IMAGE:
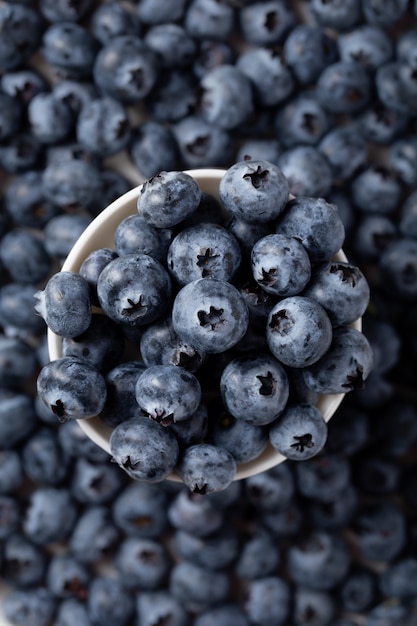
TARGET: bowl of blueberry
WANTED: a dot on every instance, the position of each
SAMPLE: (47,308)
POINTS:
(206,326)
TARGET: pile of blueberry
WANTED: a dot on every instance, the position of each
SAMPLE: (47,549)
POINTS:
(95,97)
(217,325)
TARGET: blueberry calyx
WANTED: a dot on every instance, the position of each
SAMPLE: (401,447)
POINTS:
(257,177)
(280,322)
(347,274)
(355,381)
(268,276)
(135,307)
(267,384)
(302,441)
(58,409)
(212,318)
(205,261)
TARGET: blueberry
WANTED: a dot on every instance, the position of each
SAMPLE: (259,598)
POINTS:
(140,510)
(142,564)
(272,489)
(318,607)
(173,97)
(24,256)
(345,366)
(324,477)
(267,600)
(366,44)
(308,49)
(248,233)
(23,83)
(125,69)
(154,606)
(195,513)
(335,513)
(227,614)
(134,289)
(408,216)
(75,442)
(200,143)
(145,449)
(298,331)
(345,149)
(307,171)
(69,48)
(398,580)
(379,531)
(383,13)
(203,251)
(160,345)
(71,184)
(210,314)
(380,124)
(215,552)
(374,233)
(103,127)
(254,388)
(172,44)
(120,403)
(205,468)
(17,417)
(43,458)
(259,556)
(346,290)
(316,223)
(376,189)
(11,471)
(32,606)
(357,592)
(92,266)
(280,265)
(94,535)
(168,393)
(266,23)
(152,12)
(101,344)
(398,264)
(10,516)
(192,430)
(336,14)
(17,315)
(196,587)
(24,563)
(302,120)
(245,441)
(255,191)
(168,198)
(25,202)
(405,47)
(9,116)
(299,433)
(72,388)
(21,27)
(153,148)
(50,515)
(255,149)
(64,304)
(72,609)
(67,578)
(207,19)
(113,19)
(402,156)
(108,600)
(50,119)
(344,87)
(64,10)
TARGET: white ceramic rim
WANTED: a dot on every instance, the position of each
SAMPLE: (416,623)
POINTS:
(90,240)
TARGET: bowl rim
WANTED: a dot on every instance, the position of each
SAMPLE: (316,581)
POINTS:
(96,429)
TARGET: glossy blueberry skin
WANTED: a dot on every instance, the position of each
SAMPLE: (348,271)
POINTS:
(103,127)
(101,344)
(254,388)
(168,198)
(72,388)
(255,191)
(36,606)
(210,314)
(245,441)
(94,535)
(269,76)
(120,403)
(145,449)
(111,20)
(280,265)
(307,51)
(108,600)
(153,148)
(22,30)
(160,345)
(205,19)
(70,48)
(345,366)
(302,120)
(342,290)
(299,433)
(203,251)
(376,190)
(125,69)
(316,223)
(366,44)
(24,256)
(50,515)
(345,149)
(344,87)
(201,144)
(134,289)
(92,266)
(299,331)
(154,606)
(206,468)
(17,417)
(398,263)
(226,99)
(168,393)
(64,304)
(196,587)
(267,600)
(307,171)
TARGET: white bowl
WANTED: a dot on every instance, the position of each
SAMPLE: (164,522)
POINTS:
(100,234)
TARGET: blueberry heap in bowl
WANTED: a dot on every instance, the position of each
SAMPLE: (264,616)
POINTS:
(206,326)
